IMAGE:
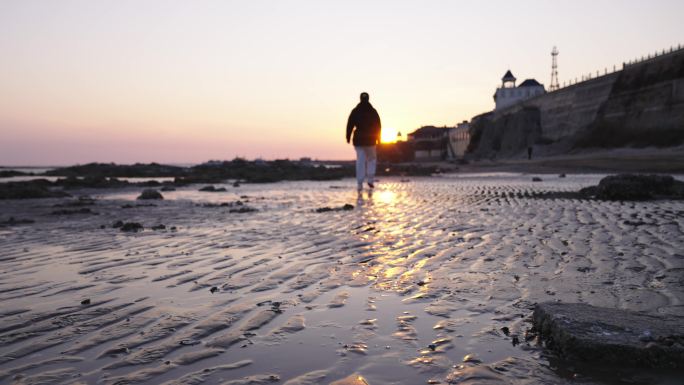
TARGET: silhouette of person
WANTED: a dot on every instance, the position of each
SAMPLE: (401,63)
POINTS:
(529,153)
(364,123)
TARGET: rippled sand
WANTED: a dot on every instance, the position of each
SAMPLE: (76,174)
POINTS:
(413,285)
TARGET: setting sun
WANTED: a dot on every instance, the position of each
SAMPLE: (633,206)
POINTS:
(389,135)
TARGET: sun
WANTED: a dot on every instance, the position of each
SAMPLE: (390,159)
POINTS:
(389,135)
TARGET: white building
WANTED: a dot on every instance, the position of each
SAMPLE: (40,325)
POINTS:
(508,94)
(459,138)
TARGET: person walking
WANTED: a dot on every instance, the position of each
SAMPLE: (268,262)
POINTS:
(364,123)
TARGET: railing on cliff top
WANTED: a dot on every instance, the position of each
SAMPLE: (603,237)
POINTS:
(607,71)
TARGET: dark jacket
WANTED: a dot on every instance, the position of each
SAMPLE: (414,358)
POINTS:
(367,122)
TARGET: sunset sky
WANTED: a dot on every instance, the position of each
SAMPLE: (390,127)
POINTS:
(188,81)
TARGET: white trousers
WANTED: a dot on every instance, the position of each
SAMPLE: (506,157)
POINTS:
(365,164)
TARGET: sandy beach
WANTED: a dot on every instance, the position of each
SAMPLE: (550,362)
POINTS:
(425,281)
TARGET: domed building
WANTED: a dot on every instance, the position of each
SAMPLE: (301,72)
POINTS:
(509,94)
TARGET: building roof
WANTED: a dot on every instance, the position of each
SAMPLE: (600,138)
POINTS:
(530,83)
(508,76)
(427,132)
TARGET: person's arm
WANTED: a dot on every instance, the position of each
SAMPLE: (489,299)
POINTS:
(378,130)
(350,125)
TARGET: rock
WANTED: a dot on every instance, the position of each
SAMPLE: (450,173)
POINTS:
(168,188)
(243,209)
(585,333)
(505,330)
(561,176)
(158,227)
(346,207)
(33,189)
(537,179)
(150,194)
(117,224)
(212,189)
(131,227)
(85,301)
(13,222)
(84,210)
(214,289)
(638,187)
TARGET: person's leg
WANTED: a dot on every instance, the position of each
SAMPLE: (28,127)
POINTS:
(360,166)
(371,161)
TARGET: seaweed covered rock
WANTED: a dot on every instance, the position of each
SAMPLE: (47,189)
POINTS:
(636,187)
(150,194)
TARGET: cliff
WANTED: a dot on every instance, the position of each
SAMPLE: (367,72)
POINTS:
(641,105)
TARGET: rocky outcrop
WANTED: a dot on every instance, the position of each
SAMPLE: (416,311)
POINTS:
(636,187)
(40,188)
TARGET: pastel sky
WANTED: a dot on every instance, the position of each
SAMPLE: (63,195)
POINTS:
(187,81)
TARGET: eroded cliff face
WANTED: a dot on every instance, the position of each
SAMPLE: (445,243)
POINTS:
(644,108)
(641,105)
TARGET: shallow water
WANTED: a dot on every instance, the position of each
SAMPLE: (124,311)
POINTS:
(413,285)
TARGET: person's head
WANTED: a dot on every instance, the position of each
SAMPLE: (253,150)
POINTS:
(364,96)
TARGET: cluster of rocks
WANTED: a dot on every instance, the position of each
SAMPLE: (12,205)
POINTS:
(40,188)
(134,227)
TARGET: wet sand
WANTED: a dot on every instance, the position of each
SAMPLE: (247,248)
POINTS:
(413,285)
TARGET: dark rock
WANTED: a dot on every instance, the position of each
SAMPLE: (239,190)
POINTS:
(236,184)
(212,189)
(85,301)
(81,201)
(35,189)
(158,227)
(131,227)
(561,176)
(505,330)
(13,222)
(639,187)
(168,188)
(117,224)
(537,179)
(84,210)
(150,194)
(115,170)
(214,289)
(11,173)
(432,347)
(585,333)
(243,209)
(346,207)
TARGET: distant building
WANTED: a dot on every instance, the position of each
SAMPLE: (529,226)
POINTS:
(459,138)
(430,142)
(508,94)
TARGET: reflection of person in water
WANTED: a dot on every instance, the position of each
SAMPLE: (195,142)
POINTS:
(364,122)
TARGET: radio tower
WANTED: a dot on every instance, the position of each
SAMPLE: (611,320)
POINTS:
(554,70)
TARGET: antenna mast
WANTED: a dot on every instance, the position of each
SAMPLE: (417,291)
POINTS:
(554,70)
